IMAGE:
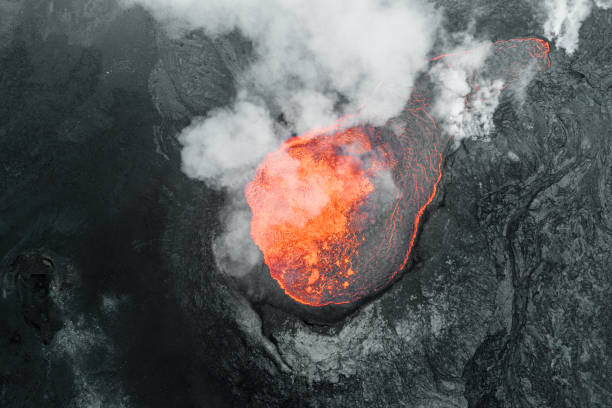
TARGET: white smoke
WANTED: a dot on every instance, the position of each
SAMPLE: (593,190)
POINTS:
(314,61)
(234,250)
(318,50)
(453,82)
(221,148)
(565,17)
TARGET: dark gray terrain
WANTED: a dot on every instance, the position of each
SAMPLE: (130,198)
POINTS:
(109,293)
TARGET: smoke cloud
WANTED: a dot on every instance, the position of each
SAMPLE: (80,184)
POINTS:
(452,81)
(220,148)
(314,61)
(320,51)
(565,17)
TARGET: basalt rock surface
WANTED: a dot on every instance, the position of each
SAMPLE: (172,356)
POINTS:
(110,294)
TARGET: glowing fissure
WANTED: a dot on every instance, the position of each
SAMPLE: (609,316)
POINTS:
(336,211)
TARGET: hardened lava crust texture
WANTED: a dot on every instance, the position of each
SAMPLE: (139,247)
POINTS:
(110,295)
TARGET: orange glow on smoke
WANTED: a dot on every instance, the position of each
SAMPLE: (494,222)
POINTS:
(336,211)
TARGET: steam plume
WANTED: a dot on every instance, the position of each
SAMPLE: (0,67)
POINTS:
(315,60)
(452,83)
(565,17)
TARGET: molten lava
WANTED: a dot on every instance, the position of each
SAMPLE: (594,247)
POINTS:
(336,211)
(309,202)
(330,206)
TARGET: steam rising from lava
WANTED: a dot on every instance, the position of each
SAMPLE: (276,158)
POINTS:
(469,82)
(565,17)
(332,208)
(316,60)
(322,238)
(334,211)
(311,66)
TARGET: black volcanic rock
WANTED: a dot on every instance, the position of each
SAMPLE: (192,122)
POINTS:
(110,294)
(30,278)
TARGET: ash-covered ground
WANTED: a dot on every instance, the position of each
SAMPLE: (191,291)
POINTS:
(110,295)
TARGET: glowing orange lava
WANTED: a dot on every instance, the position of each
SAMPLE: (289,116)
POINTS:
(330,206)
(314,189)
(336,211)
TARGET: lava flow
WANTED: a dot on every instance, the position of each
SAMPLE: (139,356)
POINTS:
(336,211)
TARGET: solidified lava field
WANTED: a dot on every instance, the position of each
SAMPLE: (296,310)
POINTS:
(336,210)
(113,288)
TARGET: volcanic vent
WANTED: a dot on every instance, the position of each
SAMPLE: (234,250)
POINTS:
(336,210)
(331,207)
